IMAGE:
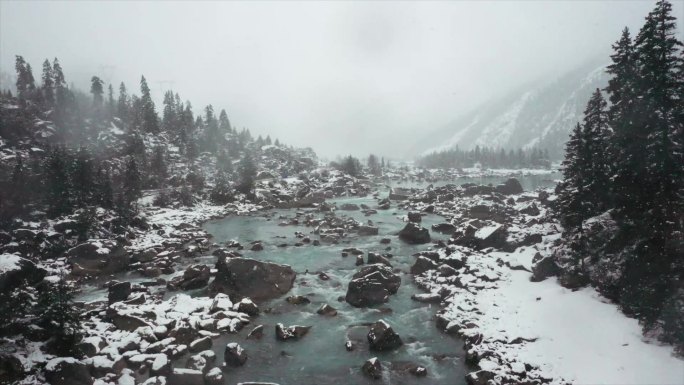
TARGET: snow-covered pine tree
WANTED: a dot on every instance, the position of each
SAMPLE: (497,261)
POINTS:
(596,136)
(658,62)
(149,121)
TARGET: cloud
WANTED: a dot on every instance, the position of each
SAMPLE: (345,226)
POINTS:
(341,77)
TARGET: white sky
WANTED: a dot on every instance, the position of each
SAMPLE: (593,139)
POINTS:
(341,77)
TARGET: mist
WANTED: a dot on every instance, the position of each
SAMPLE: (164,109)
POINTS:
(340,77)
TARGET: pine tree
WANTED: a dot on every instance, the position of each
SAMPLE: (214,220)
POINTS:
(149,119)
(82,178)
(123,105)
(658,61)
(96,88)
(58,192)
(48,86)
(132,183)
(221,193)
(20,194)
(60,317)
(572,196)
(224,123)
(158,166)
(22,83)
(596,137)
(104,193)
(169,115)
(247,175)
(110,101)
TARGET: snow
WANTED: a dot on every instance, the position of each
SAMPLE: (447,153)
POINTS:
(486,231)
(574,336)
(9,262)
(53,363)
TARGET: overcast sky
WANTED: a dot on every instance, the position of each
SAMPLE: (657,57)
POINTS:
(341,77)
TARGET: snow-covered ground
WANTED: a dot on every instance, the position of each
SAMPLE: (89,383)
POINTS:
(573,336)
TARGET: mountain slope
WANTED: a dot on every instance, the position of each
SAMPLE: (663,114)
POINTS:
(542,116)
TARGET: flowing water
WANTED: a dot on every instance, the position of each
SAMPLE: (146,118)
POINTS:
(320,357)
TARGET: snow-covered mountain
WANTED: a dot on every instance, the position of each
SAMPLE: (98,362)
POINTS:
(541,115)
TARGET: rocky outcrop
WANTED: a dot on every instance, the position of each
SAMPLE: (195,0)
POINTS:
(414,234)
(16,271)
(293,332)
(118,291)
(510,187)
(544,268)
(67,371)
(422,265)
(444,228)
(101,257)
(234,355)
(381,337)
(372,285)
(257,280)
(372,368)
(194,277)
(367,230)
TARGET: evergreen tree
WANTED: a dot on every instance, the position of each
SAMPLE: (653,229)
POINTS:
(224,123)
(658,62)
(596,137)
(374,165)
(123,105)
(60,317)
(148,116)
(132,183)
(170,114)
(61,90)
(110,101)
(572,196)
(247,175)
(158,166)
(96,88)
(82,178)
(58,193)
(22,83)
(221,193)
(104,193)
(48,86)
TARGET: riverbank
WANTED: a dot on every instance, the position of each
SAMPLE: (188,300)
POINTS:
(519,331)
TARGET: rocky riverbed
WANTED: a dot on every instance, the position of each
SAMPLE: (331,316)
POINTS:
(376,283)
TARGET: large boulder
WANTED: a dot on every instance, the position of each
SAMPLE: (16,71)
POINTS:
(293,332)
(381,337)
(414,217)
(67,371)
(422,265)
(414,234)
(181,376)
(368,230)
(235,355)
(194,277)
(119,291)
(444,228)
(372,368)
(372,285)
(544,268)
(510,187)
(16,271)
(247,277)
(98,257)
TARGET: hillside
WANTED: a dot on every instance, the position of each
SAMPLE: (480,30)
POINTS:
(539,115)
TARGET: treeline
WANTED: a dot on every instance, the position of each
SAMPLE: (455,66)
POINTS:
(100,150)
(486,157)
(626,158)
(350,165)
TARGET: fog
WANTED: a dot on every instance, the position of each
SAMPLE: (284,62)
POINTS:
(340,77)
